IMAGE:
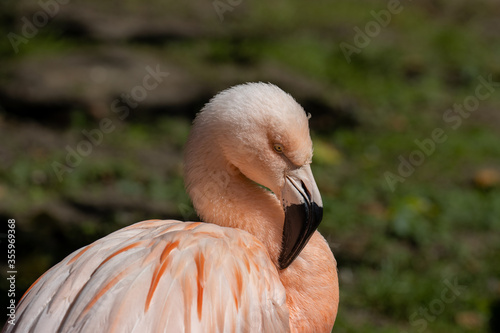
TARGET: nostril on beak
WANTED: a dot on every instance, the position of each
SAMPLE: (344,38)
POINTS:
(304,187)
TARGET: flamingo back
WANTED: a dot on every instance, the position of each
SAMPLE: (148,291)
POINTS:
(160,276)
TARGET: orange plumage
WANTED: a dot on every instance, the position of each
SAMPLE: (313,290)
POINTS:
(256,264)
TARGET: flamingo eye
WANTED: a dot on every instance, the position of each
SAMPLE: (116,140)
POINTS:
(278,147)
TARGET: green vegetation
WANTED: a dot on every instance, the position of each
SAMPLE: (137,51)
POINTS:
(399,244)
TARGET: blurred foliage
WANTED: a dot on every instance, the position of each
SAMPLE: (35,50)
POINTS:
(396,247)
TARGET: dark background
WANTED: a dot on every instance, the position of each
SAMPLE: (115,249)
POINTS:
(411,187)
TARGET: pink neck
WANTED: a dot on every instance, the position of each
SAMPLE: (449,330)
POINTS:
(227,198)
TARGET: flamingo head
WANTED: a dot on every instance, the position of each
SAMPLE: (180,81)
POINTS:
(264,134)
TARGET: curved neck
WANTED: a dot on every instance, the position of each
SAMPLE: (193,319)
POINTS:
(312,290)
(222,195)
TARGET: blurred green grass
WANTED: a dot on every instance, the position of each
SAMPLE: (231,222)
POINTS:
(396,248)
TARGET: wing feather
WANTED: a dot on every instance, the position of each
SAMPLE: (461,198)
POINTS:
(159,276)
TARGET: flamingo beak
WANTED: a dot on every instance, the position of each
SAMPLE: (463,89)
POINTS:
(303,213)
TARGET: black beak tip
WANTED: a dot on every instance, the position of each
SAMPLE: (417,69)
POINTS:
(301,221)
(282,263)
(317,212)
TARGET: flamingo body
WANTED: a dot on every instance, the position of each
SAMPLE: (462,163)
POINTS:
(256,263)
(160,276)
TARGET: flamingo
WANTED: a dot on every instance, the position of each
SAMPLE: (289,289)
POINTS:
(256,263)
